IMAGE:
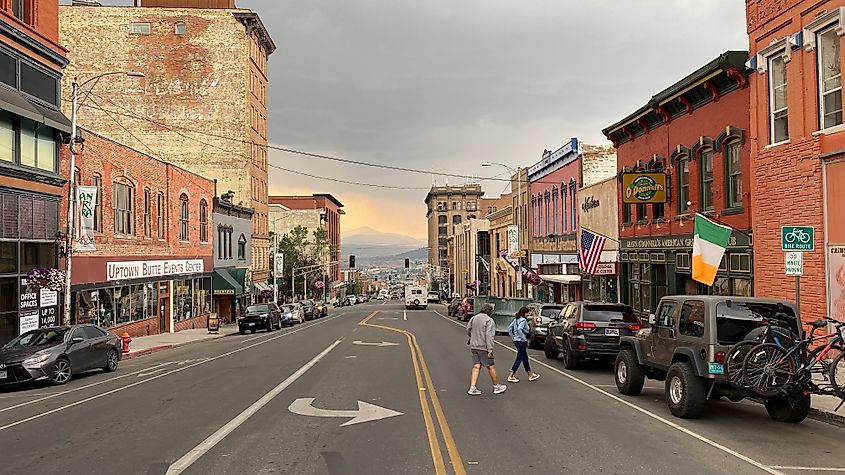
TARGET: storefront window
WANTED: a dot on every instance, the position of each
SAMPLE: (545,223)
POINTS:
(8,257)
(8,309)
(192,298)
(37,255)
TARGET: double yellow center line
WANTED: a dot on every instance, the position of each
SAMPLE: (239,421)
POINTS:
(426,387)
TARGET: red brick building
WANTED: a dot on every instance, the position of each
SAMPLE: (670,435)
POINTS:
(151,271)
(695,131)
(798,146)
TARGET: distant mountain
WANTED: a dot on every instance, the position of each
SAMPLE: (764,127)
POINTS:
(367,242)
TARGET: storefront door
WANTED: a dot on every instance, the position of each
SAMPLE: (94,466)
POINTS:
(164,314)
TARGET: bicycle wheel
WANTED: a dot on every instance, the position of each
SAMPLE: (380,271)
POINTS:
(768,368)
(735,359)
(837,375)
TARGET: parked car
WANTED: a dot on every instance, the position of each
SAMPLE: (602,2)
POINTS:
(686,345)
(290,315)
(395,296)
(262,316)
(363,298)
(541,317)
(589,330)
(433,297)
(57,353)
(380,297)
(467,309)
(351,300)
(321,310)
(307,309)
(453,307)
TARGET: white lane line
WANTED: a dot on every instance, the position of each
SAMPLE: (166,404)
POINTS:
(153,378)
(405,314)
(194,454)
(710,442)
(810,469)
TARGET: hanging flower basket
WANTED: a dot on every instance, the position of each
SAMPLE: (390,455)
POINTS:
(266,294)
(48,279)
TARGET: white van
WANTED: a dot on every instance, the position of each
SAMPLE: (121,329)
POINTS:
(415,297)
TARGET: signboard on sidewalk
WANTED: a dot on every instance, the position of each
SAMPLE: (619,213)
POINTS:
(794,263)
(797,238)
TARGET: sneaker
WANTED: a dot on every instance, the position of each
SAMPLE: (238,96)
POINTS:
(499,389)
(534,377)
(512,379)
(473,391)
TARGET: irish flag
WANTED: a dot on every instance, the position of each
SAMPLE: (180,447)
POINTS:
(708,247)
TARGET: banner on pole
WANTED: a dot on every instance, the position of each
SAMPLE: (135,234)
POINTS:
(86,200)
(280,265)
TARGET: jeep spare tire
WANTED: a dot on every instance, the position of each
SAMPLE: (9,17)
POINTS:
(793,408)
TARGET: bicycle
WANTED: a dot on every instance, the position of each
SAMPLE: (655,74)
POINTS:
(770,369)
(771,330)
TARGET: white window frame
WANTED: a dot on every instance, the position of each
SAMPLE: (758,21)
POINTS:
(140,24)
(771,111)
(822,22)
(821,92)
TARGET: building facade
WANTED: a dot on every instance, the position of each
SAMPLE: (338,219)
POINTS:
(32,131)
(695,134)
(152,267)
(203,102)
(232,284)
(798,138)
(598,213)
(503,276)
(447,206)
(471,262)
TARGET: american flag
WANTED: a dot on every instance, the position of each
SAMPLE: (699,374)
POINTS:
(589,252)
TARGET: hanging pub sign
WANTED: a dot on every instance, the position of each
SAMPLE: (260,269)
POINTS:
(640,188)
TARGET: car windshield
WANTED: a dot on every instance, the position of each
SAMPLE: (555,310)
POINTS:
(287,308)
(734,322)
(307,303)
(258,309)
(607,313)
(49,336)
(547,314)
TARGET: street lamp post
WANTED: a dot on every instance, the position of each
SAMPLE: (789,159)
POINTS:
(71,202)
(518,173)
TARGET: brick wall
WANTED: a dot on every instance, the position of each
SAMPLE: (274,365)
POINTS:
(149,326)
(191,323)
(598,162)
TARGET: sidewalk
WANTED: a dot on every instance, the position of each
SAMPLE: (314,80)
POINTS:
(144,345)
(824,409)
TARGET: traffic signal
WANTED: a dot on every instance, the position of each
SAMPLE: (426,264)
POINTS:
(407,263)
(351,262)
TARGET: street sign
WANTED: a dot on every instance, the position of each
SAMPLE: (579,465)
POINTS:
(797,238)
(794,263)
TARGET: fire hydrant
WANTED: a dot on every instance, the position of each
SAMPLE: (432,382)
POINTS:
(125,339)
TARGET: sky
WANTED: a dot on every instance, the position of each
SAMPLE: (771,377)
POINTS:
(443,86)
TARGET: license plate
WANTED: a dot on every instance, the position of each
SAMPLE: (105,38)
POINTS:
(611,331)
(715,368)
(252,324)
(2,375)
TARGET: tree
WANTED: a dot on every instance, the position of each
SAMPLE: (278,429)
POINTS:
(354,288)
(301,254)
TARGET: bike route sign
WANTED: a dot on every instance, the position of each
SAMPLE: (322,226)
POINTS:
(797,238)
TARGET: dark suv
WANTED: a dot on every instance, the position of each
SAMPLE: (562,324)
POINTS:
(589,330)
(261,316)
(687,343)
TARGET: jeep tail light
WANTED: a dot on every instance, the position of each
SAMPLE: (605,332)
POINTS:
(585,326)
(537,321)
(634,327)
(720,356)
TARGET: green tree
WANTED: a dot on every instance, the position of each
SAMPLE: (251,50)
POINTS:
(354,288)
(301,252)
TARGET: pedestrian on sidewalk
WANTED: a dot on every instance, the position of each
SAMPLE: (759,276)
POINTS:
(519,332)
(481,330)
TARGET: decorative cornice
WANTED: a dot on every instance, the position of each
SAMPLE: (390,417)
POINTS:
(27,40)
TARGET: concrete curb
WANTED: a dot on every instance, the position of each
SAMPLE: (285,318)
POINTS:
(156,349)
(827,417)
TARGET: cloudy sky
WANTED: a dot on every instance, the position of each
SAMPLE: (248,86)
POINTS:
(444,85)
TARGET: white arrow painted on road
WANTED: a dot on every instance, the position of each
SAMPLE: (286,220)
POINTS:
(366,412)
(377,343)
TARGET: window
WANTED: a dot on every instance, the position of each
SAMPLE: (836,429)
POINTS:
(140,29)
(456,219)
(626,214)
(37,146)
(242,248)
(97,181)
(123,204)
(778,118)
(20,10)
(572,203)
(691,322)
(733,173)
(181,28)
(160,214)
(228,249)
(642,213)
(658,210)
(220,254)
(184,215)
(540,214)
(442,219)
(666,314)
(147,210)
(7,137)
(39,83)
(565,220)
(203,221)
(705,168)
(554,209)
(8,70)
(683,185)
(830,78)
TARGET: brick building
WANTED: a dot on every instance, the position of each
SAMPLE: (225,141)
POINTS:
(798,146)
(203,102)
(695,132)
(447,206)
(32,130)
(151,271)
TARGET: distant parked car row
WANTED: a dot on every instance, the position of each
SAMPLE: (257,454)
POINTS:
(270,317)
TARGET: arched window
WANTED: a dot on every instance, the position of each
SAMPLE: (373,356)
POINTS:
(160,210)
(705,172)
(123,205)
(148,204)
(242,248)
(184,215)
(203,221)
(683,184)
(733,174)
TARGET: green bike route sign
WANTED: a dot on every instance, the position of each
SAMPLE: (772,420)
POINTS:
(797,238)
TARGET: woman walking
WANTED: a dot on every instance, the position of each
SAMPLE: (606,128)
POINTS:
(519,331)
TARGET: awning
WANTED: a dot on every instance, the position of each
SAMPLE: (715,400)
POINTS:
(562,278)
(18,104)
(261,287)
(225,284)
(339,285)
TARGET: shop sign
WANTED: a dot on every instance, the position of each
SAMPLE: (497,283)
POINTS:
(142,269)
(589,203)
(640,188)
(513,239)
(605,268)
(49,298)
(224,291)
(49,317)
(28,321)
(86,199)
(836,282)
(677,242)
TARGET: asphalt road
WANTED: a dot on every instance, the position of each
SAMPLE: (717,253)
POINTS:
(292,401)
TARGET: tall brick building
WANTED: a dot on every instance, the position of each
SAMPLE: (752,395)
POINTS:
(447,206)
(798,146)
(203,102)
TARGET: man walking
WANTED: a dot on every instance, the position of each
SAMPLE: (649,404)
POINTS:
(481,330)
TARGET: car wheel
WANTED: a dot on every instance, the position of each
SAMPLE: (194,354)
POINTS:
(62,372)
(241,331)
(111,362)
(549,350)
(792,408)
(628,373)
(569,361)
(532,343)
(685,392)
(252,331)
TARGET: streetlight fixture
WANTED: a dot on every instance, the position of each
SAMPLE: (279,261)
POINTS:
(71,202)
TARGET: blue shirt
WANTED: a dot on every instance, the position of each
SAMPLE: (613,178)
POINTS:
(519,330)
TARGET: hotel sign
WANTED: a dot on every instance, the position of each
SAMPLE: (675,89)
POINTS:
(639,188)
(144,269)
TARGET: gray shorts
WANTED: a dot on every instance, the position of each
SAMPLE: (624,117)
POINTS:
(480,357)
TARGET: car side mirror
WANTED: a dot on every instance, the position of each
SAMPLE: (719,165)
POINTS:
(77,339)
(652,319)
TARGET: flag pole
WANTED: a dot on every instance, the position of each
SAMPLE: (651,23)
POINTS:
(600,234)
(717,220)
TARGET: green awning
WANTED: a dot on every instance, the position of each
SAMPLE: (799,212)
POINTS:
(18,104)
(224,283)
